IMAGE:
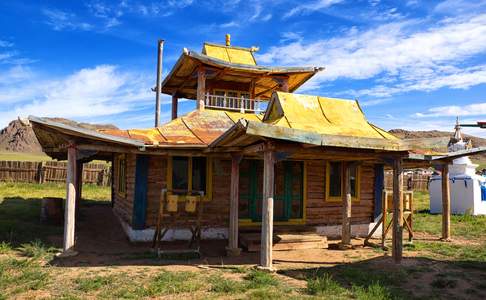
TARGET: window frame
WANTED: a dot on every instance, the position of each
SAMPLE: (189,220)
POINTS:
(209,173)
(121,161)
(330,198)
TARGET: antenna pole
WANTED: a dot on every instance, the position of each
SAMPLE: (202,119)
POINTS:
(159,78)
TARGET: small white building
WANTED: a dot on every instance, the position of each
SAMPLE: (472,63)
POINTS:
(467,189)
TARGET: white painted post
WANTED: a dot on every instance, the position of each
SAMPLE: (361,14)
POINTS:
(70,206)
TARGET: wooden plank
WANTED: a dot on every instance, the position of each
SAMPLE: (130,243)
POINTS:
(446,204)
(69,210)
(175,104)
(346,209)
(233,249)
(267,209)
(397,249)
(201,87)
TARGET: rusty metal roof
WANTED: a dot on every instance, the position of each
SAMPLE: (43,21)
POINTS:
(198,129)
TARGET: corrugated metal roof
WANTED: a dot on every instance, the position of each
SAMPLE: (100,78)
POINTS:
(231,54)
(198,128)
(311,114)
(322,115)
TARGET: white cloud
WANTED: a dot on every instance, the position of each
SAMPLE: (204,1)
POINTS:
(61,20)
(460,6)
(310,7)
(5,44)
(475,109)
(422,60)
(91,93)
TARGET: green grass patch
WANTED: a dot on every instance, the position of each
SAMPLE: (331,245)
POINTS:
(20,210)
(219,284)
(259,279)
(168,283)
(21,275)
(476,253)
(89,284)
(325,285)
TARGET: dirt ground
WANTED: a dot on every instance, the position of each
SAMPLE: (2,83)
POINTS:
(101,243)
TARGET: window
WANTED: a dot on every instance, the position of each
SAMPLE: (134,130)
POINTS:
(121,171)
(187,174)
(335,181)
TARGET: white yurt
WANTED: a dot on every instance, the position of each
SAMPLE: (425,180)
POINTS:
(467,189)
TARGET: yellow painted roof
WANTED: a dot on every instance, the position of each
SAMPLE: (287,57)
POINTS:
(322,115)
(310,113)
(235,55)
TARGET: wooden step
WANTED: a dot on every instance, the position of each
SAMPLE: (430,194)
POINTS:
(285,241)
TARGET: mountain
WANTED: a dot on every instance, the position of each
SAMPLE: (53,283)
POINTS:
(19,137)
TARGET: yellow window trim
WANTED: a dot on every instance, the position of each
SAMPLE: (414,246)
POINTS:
(328,180)
(118,158)
(209,177)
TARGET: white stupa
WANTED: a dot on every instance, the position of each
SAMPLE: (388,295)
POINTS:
(465,185)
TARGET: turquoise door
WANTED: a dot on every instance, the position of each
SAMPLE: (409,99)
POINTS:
(288,199)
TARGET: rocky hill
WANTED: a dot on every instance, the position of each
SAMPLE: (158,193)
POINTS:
(18,137)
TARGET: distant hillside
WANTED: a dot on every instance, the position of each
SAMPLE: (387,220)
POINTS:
(17,137)
(436,141)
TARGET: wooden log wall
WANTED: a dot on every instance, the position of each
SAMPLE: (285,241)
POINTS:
(321,212)
(52,171)
(216,211)
(123,204)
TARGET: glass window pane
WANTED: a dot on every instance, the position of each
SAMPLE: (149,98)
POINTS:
(231,94)
(199,174)
(335,179)
(180,167)
(354,180)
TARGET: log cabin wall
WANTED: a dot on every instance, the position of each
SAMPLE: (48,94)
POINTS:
(321,212)
(123,205)
(216,211)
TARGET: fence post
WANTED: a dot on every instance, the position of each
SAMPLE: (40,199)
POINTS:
(40,172)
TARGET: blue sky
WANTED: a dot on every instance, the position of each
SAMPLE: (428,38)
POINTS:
(411,64)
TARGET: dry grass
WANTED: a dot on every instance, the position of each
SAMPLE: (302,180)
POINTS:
(446,270)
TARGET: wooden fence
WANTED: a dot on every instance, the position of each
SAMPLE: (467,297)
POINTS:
(415,182)
(51,171)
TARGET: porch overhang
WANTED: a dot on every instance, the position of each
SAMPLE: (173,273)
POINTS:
(245,133)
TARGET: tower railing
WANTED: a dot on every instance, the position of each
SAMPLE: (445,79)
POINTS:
(240,104)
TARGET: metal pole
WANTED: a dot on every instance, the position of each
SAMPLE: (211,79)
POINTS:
(159,78)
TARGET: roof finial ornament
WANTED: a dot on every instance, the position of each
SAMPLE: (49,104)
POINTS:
(228,40)
(457,133)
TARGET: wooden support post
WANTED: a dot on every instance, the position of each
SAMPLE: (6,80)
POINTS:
(79,184)
(201,87)
(385,219)
(346,209)
(233,249)
(267,210)
(70,206)
(446,204)
(397,237)
(285,85)
(175,103)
